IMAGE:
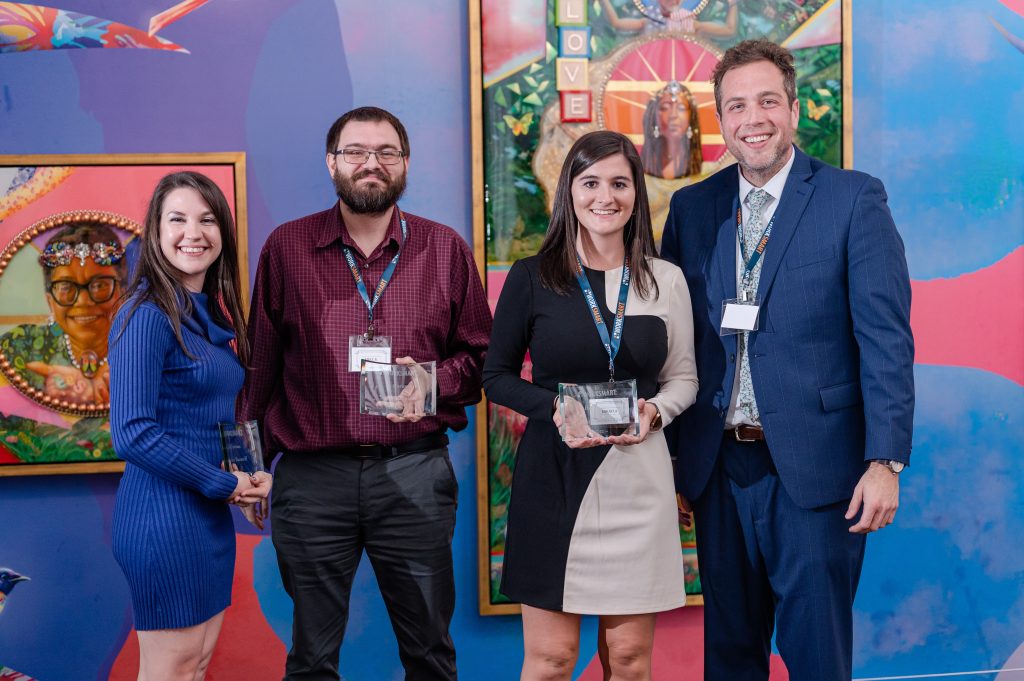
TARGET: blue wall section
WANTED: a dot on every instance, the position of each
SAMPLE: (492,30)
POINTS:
(937,115)
(938,110)
(57,529)
(38,119)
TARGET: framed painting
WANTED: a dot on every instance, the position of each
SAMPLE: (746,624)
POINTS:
(69,234)
(545,73)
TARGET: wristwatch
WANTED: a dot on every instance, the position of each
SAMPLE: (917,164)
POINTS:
(656,421)
(895,467)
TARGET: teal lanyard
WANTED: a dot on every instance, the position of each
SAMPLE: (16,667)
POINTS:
(755,257)
(385,278)
(612,340)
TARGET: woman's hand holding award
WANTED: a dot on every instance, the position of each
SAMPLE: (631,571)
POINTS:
(243,453)
(597,410)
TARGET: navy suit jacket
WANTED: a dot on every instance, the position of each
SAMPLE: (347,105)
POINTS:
(832,361)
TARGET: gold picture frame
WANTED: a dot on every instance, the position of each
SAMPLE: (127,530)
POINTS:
(45,430)
(520,116)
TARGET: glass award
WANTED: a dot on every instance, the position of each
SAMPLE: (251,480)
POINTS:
(598,409)
(399,389)
(240,445)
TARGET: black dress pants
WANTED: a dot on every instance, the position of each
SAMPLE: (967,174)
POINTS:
(327,509)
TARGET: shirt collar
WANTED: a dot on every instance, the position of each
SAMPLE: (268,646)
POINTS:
(773,186)
(335,230)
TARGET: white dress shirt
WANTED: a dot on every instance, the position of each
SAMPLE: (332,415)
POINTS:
(774,188)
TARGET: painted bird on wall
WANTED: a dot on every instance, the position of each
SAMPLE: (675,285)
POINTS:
(8,579)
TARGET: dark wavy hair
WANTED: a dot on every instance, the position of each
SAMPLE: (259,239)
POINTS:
(156,280)
(558,252)
(748,52)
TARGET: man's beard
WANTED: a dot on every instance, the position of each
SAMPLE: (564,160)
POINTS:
(371,199)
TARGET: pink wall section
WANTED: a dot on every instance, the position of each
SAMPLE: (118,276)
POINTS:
(988,304)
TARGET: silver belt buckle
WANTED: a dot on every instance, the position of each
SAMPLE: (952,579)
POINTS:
(736,433)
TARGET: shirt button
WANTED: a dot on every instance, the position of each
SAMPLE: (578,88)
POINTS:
(732,357)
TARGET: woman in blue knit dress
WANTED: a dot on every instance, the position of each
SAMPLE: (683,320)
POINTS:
(174,377)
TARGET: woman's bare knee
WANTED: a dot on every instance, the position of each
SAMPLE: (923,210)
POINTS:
(555,656)
(551,642)
(628,660)
(627,643)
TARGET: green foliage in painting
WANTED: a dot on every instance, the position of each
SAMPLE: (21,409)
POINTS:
(34,442)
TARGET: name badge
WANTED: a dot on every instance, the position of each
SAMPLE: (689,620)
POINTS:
(739,315)
(361,348)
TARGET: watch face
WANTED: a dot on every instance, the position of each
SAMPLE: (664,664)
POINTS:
(896,466)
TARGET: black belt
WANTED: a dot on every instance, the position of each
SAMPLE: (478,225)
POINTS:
(374,451)
(745,433)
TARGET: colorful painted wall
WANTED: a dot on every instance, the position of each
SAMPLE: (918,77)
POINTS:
(938,107)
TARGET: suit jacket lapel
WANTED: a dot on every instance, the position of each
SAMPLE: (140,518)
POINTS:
(722,274)
(795,196)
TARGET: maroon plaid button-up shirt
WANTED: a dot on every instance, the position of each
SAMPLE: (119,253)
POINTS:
(305,306)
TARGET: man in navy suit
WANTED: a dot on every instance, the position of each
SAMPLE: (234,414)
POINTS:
(792,452)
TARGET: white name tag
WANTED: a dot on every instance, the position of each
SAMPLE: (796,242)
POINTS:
(609,411)
(375,350)
(740,317)
(374,364)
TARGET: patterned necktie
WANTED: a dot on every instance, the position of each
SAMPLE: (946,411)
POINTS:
(753,228)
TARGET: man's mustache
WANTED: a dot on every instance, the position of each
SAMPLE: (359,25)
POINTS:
(380,175)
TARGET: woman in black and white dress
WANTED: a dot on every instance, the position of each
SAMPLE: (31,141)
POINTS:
(592,525)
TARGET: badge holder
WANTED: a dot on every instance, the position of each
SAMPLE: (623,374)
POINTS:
(367,348)
(740,314)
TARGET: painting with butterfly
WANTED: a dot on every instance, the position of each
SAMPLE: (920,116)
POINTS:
(545,73)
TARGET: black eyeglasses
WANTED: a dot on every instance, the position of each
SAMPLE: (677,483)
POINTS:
(385,157)
(65,292)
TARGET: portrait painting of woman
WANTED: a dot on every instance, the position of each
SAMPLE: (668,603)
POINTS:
(84,268)
(672,146)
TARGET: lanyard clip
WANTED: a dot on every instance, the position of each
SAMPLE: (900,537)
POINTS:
(369,331)
(611,371)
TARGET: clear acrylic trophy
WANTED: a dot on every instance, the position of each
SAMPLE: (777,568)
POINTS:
(400,389)
(240,445)
(598,409)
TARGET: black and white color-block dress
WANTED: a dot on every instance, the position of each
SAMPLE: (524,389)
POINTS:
(591,531)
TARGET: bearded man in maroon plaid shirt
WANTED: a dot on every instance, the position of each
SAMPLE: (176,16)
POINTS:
(348,482)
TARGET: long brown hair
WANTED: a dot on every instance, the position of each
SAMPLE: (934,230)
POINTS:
(558,252)
(156,280)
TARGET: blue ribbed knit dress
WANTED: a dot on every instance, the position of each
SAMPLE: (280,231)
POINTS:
(172,533)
